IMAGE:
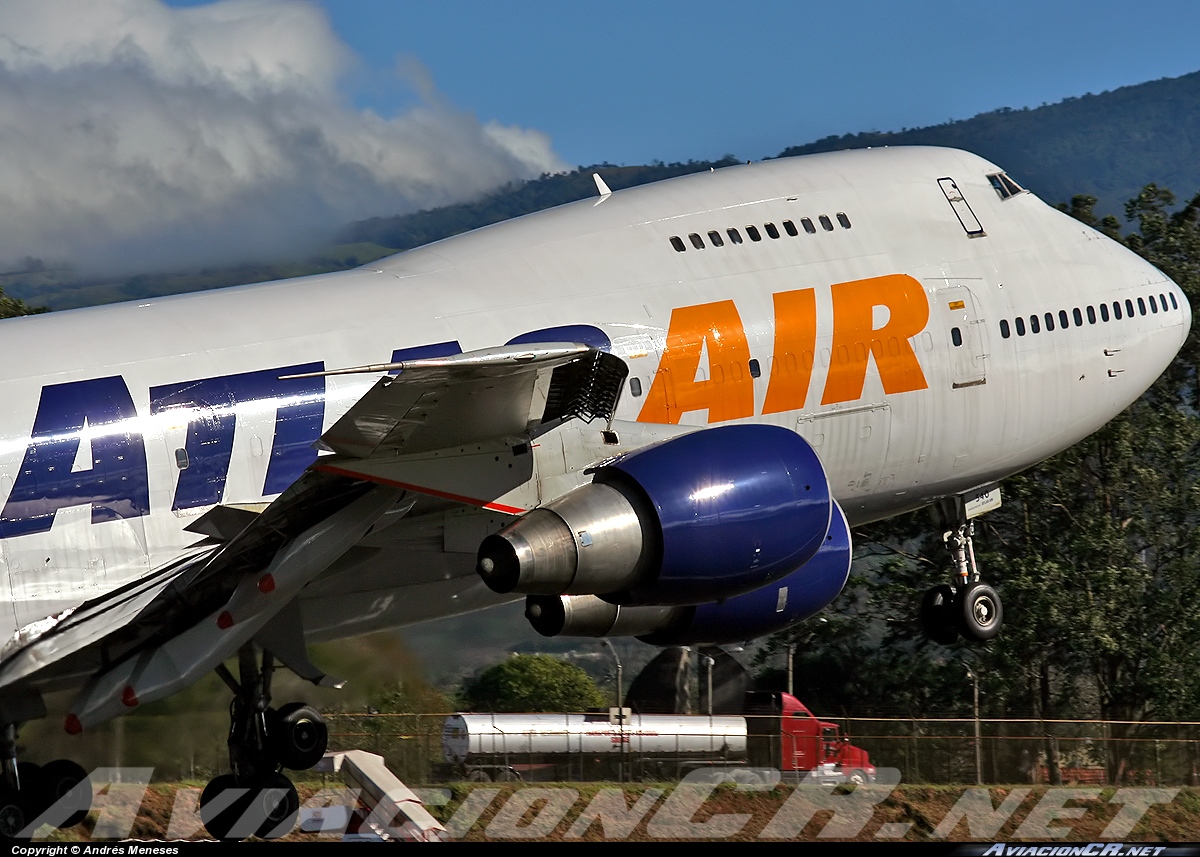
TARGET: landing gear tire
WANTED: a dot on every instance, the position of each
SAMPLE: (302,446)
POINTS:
(64,787)
(221,812)
(298,736)
(937,615)
(276,802)
(14,814)
(980,613)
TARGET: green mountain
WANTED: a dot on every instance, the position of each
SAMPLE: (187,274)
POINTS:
(1107,145)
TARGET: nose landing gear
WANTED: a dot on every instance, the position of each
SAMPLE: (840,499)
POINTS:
(256,798)
(969,608)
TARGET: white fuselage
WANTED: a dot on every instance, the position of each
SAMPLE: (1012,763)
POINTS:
(977,411)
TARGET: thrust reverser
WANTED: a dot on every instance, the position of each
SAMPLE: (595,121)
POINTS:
(707,516)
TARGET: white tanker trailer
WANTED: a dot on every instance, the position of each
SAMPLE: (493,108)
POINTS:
(778,732)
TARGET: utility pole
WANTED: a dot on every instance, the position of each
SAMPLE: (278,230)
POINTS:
(708,663)
(971,674)
(620,709)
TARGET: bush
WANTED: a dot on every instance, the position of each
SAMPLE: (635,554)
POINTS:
(532,683)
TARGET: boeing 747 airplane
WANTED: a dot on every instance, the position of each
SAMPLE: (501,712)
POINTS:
(656,413)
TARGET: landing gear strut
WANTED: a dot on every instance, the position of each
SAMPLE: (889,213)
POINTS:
(256,798)
(968,607)
(58,793)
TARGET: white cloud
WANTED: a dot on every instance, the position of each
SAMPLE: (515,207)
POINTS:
(137,136)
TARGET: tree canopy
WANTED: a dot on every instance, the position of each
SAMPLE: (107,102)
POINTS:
(11,307)
(532,683)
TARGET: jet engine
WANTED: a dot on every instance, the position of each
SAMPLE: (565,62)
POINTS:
(696,518)
(770,608)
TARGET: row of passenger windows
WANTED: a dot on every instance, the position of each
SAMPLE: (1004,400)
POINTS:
(753,233)
(1064,321)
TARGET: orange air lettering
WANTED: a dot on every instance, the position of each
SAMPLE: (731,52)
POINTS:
(795,336)
(726,392)
(854,331)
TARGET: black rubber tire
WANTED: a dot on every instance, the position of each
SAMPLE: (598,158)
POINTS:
(14,814)
(275,799)
(937,615)
(63,778)
(223,823)
(857,776)
(298,736)
(478,776)
(980,613)
(30,774)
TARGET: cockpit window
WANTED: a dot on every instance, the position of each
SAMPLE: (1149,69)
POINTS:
(1004,186)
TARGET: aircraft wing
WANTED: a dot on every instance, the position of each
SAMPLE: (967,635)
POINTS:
(434,428)
(445,402)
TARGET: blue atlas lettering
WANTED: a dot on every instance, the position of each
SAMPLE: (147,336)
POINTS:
(585,333)
(114,482)
(424,352)
(211,405)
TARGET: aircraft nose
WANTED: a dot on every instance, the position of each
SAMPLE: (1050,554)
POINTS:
(1187,316)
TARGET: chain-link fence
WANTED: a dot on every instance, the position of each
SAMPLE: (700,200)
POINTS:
(587,747)
(945,750)
(931,750)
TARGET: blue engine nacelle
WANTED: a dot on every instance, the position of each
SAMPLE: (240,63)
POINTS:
(770,608)
(697,518)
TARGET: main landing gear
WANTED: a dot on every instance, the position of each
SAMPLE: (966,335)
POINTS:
(968,607)
(58,793)
(256,798)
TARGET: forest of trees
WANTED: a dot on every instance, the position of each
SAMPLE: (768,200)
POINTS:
(1096,553)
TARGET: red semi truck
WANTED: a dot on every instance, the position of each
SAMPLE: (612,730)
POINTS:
(776,731)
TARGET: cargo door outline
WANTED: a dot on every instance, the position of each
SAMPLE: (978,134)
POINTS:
(967,352)
(858,437)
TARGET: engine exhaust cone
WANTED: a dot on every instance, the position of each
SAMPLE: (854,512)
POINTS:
(546,613)
(498,564)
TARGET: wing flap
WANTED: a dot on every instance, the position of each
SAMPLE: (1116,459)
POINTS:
(489,474)
(55,639)
(157,672)
(158,607)
(222,523)
(476,396)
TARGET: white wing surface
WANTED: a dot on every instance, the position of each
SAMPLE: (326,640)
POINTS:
(434,430)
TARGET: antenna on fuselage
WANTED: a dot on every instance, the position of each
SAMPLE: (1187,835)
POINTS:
(605,190)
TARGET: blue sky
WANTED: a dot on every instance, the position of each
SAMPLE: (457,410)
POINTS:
(138,133)
(629,82)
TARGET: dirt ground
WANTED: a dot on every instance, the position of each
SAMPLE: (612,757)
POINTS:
(643,812)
